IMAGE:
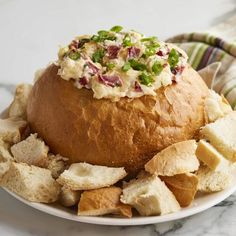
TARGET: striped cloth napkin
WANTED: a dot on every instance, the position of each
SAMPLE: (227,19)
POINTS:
(213,54)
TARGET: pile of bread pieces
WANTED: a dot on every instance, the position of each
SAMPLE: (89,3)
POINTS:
(169,181)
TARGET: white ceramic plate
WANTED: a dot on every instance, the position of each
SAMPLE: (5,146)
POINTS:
(201,203)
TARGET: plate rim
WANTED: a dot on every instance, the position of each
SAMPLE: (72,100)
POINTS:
(141,220)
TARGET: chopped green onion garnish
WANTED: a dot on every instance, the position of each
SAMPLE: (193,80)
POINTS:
(157,68)
(127,41)
(74,55)
(116,28)
(137,65)
(146,79)
(173,58)
(110,66)
(83,41)
(126,66)
(95,38)
(98,55)
(154,38)
(150,51)
(102,36)
(103,33)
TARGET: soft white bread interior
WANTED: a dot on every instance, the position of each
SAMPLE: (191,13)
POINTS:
(183,186)
(19,104)
(5,160)
(69,197)
(103,201)
(32,151)
(215,107)
(83,176)
(211,157)
(149,196)
(10,129)
(31,182)
(213,181)
(56,164)
(176,159)
(222,135)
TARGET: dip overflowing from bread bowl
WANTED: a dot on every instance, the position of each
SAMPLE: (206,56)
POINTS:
(116,99)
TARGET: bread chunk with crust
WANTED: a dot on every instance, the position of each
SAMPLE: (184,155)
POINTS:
(32,151)
(149,196)
(19,104)
(83,176)
(103,201)
(176,159)
(31,182)
(10,130)
(221,135)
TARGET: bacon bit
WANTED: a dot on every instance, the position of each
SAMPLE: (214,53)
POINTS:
(160,53)
(177,70)
(133,52)
(113,51)
(83,81)
(93,67)
(167,51)
(164,65)
(137,87)
(73,45)
(110,80)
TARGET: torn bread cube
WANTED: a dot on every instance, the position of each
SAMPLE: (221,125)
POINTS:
(83,176)
(5,161)
(213,181)
(56,164)
(149,196)
(221,135)
(211,157)
(10,130)
(215,107)
(183,186)
(103,201)
(176,159)
(31,182)
(19,104)
(32,151)
(69,197)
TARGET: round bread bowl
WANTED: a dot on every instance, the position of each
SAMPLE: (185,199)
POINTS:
(126,133)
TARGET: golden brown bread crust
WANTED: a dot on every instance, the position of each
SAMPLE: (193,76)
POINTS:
(126,133)
(183,186)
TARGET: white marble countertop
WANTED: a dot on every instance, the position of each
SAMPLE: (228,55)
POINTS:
(30,32)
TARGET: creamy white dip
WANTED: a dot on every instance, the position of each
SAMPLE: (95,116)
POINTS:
(117,64)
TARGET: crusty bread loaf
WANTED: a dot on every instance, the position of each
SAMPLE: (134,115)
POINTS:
(176,159)
(31,182)
(83,176)
(211,157)
(69,197)
(215,107)
(221,135)
(126,133)
(183,186)
(32,151)
(103,201)
(56,164)
(10,129)
(213,181)
(19,104)
(149,196)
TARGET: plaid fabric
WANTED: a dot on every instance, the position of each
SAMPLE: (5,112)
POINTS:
(218,44)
